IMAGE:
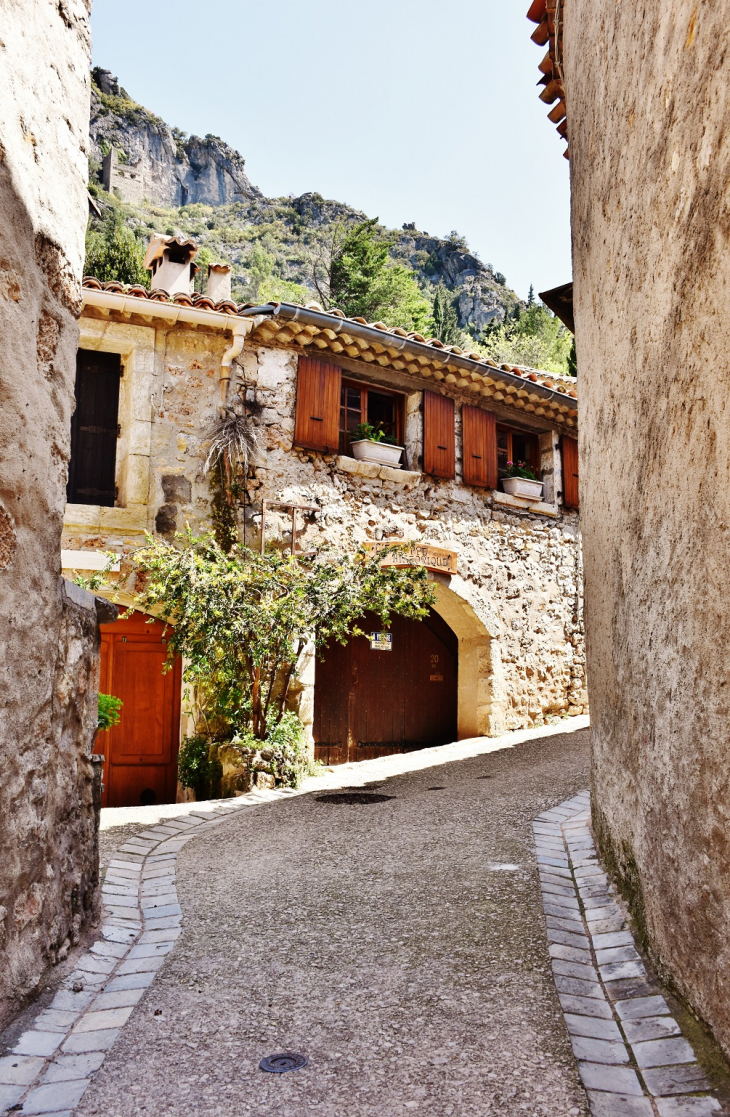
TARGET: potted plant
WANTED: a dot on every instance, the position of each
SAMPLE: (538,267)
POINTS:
(519,480)
(372,444)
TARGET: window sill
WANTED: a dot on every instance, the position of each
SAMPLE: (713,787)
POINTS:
(538,506)
(95,517)
(373,469)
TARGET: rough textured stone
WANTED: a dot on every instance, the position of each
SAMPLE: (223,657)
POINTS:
(47,638)
(649,111)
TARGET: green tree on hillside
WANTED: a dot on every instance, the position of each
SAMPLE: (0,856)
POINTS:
(445,318)
(114,253)
(533,337)
(353,272)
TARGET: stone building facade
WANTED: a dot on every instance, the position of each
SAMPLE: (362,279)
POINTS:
(514,603)
(648,111)
(48,630)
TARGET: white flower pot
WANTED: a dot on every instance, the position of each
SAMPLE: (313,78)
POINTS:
(521,486)
(381,452)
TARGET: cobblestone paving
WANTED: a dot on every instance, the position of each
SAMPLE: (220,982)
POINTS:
(398,944)
(632,1057)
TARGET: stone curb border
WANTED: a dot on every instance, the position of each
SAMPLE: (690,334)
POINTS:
(632,1058)
(52,1063)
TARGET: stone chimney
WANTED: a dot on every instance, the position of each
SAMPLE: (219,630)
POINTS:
(218,285)
(171,263)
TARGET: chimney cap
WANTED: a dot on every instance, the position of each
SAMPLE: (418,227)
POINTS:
(159,242)
(219,268)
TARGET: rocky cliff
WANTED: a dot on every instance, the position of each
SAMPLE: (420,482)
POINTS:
(156,162)
(199,187)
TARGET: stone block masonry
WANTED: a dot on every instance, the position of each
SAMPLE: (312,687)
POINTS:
(48,635)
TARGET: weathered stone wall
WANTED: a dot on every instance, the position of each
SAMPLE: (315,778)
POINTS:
(515,605)
(648,95)
(47,648)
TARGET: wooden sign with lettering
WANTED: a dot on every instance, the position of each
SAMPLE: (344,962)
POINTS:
(418,554)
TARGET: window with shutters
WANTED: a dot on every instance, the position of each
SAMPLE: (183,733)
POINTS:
(570,472)
(517,446)
(362,403)
(317,425)
(479,447)
(439,443)
(94,429)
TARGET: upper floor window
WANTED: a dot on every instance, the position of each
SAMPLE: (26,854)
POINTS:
(517,446)
(362,403)
(94,429)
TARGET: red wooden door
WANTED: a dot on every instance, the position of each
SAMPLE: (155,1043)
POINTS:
(140,753)
(371,703)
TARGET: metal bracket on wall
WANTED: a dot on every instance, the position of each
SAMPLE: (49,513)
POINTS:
(293,509)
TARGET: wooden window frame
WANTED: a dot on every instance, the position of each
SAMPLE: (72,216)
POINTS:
(534,438)
(364,389)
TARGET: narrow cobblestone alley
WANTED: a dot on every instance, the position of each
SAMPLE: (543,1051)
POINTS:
(398,944)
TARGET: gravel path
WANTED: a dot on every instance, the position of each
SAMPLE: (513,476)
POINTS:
(398,944)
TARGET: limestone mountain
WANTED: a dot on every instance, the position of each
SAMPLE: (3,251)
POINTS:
(169,181)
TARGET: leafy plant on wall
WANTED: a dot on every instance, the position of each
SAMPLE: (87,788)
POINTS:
(243,621)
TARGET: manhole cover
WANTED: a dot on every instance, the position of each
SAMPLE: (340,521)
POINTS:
(279,1064)
(353,797)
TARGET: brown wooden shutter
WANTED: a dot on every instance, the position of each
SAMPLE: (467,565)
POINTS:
(570,472)
(438,435)
(479,447)
(94,429)
(318,405)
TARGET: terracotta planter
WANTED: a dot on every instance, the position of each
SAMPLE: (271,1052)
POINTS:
(521,486)
(381,452)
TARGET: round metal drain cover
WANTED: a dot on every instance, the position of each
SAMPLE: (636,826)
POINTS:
(279,1064)
(353,797)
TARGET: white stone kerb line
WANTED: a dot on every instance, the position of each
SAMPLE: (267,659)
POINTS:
(632,1057)
(53,1062)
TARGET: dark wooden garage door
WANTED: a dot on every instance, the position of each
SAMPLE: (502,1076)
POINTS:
(140,754)
(373,703)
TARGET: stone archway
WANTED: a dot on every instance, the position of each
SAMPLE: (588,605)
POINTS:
(478,713)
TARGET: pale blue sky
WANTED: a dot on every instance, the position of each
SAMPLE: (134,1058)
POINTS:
(411,110)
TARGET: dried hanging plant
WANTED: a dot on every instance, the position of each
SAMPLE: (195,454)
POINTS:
(234,440)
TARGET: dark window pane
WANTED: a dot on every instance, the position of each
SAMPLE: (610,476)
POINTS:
(382,412)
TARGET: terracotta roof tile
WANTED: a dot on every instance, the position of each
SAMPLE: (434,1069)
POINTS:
(547,15)
(288,331)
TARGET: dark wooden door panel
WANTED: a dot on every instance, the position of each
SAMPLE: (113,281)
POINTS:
(371,703)
(92,466)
